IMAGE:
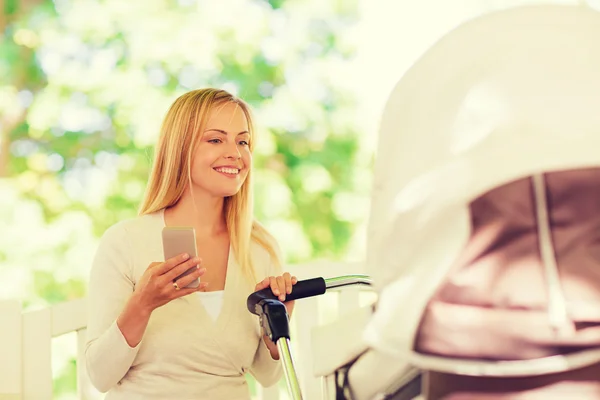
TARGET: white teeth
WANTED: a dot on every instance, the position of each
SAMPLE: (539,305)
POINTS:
(233,171)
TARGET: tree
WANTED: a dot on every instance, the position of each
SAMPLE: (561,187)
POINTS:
(84,85)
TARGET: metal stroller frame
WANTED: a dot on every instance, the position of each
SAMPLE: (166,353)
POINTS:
(275,322)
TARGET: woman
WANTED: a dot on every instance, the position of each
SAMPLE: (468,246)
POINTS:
(151,337)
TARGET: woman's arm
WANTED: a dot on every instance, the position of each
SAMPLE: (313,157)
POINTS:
(120,310)
(108,354)
(132,322)
(156,288)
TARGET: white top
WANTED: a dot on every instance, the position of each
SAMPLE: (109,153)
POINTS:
(185,353)
(212,302)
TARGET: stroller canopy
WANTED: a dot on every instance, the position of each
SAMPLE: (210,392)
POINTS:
(502,97)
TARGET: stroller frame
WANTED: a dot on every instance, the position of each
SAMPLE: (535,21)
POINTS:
(275,322)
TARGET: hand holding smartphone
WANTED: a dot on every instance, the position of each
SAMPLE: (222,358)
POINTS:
(177,240)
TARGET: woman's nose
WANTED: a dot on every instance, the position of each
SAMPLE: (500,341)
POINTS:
(233,152)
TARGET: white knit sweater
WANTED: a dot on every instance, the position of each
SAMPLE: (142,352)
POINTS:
(184,353)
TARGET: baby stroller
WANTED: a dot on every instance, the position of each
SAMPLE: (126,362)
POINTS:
(484,239)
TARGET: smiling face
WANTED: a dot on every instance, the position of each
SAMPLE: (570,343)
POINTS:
(222,158)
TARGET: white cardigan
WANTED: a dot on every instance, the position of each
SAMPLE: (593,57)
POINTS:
(184,353)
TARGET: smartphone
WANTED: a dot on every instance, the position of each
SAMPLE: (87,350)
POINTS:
(177,240)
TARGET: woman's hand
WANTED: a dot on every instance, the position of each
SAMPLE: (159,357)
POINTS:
(157,286)
(280,286)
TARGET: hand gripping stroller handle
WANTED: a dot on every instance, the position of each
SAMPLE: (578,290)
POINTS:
(302,289)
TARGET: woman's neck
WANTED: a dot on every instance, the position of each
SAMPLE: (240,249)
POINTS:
(205,213)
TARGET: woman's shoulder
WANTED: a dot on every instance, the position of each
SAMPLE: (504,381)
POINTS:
(123,241)
(137,226)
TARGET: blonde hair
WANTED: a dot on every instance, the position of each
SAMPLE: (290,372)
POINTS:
(180,133)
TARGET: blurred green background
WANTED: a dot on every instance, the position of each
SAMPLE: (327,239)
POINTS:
(84,85)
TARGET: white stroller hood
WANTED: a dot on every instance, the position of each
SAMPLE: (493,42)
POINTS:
(510,96)
(505,96)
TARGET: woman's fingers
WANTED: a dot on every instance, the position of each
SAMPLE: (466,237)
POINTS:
(181,268)
(287,278)
(185,291)
(262,284)
(171,263)
(186,280)
(281,286)
(274,286)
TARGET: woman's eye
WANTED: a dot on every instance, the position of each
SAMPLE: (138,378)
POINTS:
(214,141)
(243,143)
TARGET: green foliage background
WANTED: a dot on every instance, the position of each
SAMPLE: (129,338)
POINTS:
(84,85)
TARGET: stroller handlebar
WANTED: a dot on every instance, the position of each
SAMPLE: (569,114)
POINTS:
(302,289)
(305,288)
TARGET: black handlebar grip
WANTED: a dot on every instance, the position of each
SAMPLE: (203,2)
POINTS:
(302,289)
